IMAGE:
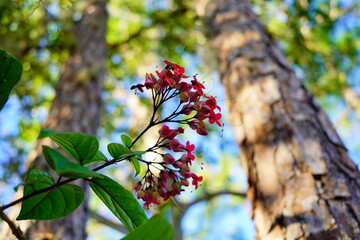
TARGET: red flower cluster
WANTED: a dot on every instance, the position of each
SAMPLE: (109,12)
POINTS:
(174,173)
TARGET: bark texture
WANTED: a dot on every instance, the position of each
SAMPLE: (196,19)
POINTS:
(76,108)
(302,184)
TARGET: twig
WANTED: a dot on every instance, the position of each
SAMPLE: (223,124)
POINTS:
(101,219)
(15,229)
(209,196)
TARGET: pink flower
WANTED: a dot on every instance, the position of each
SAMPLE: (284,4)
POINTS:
(150,197)
(183,86)
(214,118)
(185,171)
(137,186)
(184,96)
(180,130)
(168,158)
(175,145)
(212,102)
(150,81)
(178,70)
(199,126)
(189,147)
(184,182)
(166,132)
(197,86)
(187,109)
(187,159)
(196,180)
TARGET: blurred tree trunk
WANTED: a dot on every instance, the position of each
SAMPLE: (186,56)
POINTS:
(76,108)
(302,184)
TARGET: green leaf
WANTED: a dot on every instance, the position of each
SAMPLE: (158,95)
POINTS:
(44,132)
(126,155)
(10,74)
(80,146)
(116,150)
(64,167)
(119,151)
(136,164)
(16,188)
(139,153)
(120,202)
(126,140)
(52,204)
(98,158)
(154,229)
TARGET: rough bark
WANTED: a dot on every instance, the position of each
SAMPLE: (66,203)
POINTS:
(76,108)
(302,184)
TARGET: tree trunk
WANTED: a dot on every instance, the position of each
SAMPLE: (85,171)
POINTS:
(302,184)
(76,108)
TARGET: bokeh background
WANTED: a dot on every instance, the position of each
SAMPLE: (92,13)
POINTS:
(320,38)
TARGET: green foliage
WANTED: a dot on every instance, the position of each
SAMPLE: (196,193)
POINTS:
(155,228)
(316,37)
(52,204)
(80,146)
(64,167)
(120,201)
(126,141)
(136,164)
(98,158)
(118,151)
(10,74)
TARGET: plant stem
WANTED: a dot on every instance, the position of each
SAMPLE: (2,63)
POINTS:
(14,228)
(56,185)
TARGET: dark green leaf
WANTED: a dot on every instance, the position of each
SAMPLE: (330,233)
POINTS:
(136,164)
(98,158)
(10,74)
(126,140)
(80,146)
(120,201)
(119,151)
(64,167)
(44,132)
(18,186)
(139,153)
(127,155)
(52,204)
(155,228)
(116,150)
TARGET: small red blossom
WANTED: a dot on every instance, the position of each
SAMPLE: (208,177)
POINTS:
(214,118)
(137,186)
(185,171)
(185,182)
(178,69)
(187,109)
(150,81)
(151,196)
(166,132)
(197,86)
(211,101)
(174,145)
(196,180)
(183,86)
(189,147)
(199,126)
(168,158)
